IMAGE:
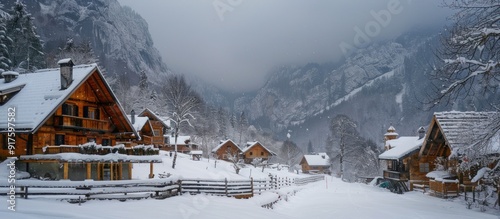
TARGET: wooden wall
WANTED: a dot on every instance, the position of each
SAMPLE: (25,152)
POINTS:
(257,151)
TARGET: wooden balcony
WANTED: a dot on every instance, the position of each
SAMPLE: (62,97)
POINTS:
(80,123)
(57,149)
(444,188)
(396,175)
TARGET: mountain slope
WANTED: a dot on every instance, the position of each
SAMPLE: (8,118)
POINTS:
(120,37)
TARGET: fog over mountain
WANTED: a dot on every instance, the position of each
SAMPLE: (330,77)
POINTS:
(235,44)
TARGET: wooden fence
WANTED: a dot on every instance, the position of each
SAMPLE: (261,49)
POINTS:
(158,188)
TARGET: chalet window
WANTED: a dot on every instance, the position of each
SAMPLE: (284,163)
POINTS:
(251,153)
(262,153)
(105,142)
(156,132)
(424,167)
(70,109)
(59,139)
(90,112)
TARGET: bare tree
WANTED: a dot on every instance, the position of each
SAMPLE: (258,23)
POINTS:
(342,141)
(182,103)
(290,154)
(234,157)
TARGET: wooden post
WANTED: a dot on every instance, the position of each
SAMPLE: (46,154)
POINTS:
(225,181)
(151,175)
(120,170)
(65,170)
(180,187)
(251,184)
(99,171)
(111,171)
(129,170)
(89,171)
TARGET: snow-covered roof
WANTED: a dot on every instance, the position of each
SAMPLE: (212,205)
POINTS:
(64,61)
(391,128)
(77,157)
(455,125)
(163,120)
(254,143)
(140,122)
(196,152)
(320,159)
(401,147)
(223,143)
(181,140)
(39,96)
(439,174)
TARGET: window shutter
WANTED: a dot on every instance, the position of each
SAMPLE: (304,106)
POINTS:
(75,109)
(86,111)
(97,116)
(65,109)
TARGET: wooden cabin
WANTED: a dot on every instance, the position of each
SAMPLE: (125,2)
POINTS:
(184,144)
(160,128)
(256,150)
(54,111)
(448,134)
(317,163)
(225,148)
(143,127)
(402,164)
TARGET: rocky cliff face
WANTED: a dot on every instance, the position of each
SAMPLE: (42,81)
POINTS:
(119,36)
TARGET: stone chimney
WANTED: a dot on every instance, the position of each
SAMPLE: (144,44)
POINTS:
(421,132)
(66,68)
(9,76)
(132,116)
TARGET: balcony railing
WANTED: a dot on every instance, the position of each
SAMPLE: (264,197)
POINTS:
(395,175)
(81,123)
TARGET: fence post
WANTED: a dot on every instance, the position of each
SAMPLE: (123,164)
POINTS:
(180,186)
(225,180)
(276,182)
(251,185)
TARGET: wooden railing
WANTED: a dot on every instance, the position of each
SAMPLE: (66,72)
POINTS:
(80,123)
(388,174)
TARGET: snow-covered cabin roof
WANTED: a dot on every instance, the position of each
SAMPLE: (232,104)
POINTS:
(165,121)
(181,140)
(77,157)
(320,159)
(401,147)
(223,143)
(140,122)
(251,144)
(455,125)
(39,95)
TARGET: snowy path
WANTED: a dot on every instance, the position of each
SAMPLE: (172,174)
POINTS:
(340,200)
(351,200)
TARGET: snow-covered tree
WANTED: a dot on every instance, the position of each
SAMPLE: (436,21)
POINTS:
(242,125)
(25,47)
(4,40)
(290,153)
(235,159)
(310,148)
(182,102)
(80,53)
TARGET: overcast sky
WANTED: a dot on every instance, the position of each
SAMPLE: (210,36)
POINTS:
(233,44)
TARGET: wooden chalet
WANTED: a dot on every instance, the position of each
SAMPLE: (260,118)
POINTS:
(256,150)
(225,148)
(160,128)
(184,144)
(317,163)
(55,111)
(402,163)
(143,127)
(449,134)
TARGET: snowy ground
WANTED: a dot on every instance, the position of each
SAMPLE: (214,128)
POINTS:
(325,199)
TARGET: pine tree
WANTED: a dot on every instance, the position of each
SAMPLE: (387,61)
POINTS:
(310,149)
(4,40)
(222,120)
(25,49)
